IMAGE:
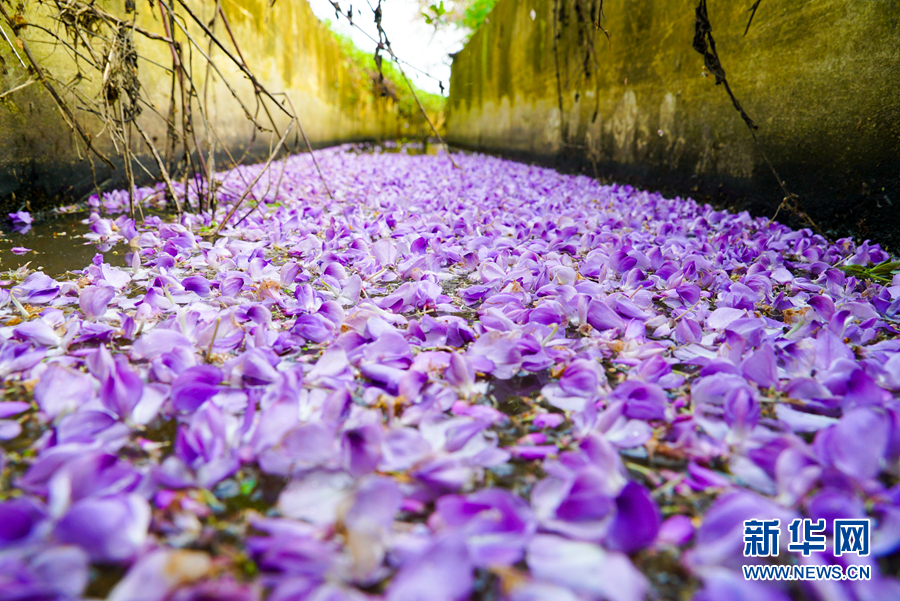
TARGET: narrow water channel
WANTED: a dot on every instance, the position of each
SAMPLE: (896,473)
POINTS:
(431,372)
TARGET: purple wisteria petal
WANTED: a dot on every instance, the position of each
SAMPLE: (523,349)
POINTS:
(441,383)
(20,218)
(155,575)
(38,332)
(496,353)
(61,390)
(586,568)
(11,408)
(497,525)
(197,284)
(93,301)
(855,445)
(111,529)
(18,518)
(315,497)
(602,317)
(642,400)
(442,572)
(194,386)
(120,387)
(637,520)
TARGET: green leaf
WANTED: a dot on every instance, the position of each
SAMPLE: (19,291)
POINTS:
(247,486)
(885,267)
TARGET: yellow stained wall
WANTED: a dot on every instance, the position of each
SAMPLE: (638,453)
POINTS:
(285,46)
(821,79)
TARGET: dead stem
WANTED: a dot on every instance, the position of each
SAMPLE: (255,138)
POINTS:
(265,168)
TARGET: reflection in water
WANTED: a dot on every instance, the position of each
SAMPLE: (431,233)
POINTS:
(56,245)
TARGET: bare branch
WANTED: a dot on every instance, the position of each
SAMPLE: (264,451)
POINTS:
(60,103)
(265,168)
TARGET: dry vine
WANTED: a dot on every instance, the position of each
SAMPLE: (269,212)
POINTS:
(705,44)
(101,48)
(588,22)
(384,44)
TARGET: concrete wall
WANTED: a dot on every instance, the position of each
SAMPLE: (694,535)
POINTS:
(820,78)
(42,161)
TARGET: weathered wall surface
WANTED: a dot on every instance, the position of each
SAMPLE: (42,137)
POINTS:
(821,80)
(287,48)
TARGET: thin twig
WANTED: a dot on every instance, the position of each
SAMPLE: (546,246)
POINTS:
(60,103)
(162,168)
(240,65)
(384,43)
(12,46)
(705,44)
(752,12)
(309,148)
(17,88)
(265,168)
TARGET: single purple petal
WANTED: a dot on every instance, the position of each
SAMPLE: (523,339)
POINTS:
(581,378)
(120,387)
(93,300)
(442,572)
(722,317)
(742,412)
(687,331)
(759,367)
(636,522)
(500,351)
(197,284)
(38,332)
(111,529)
(11,408)
(195,386)
(61,390)
(9,429)
(157,341)
(586,568)
(602,317)
(856,445)
(361,448)
(642,400)
(497,524)
(823,305)
(548,420)
(253,368)
(676,531)
(18,517)
(38,288)
(21,218)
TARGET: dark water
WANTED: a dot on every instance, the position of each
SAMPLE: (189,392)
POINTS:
(56,245)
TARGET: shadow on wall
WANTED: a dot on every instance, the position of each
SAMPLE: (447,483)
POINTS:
(541,81)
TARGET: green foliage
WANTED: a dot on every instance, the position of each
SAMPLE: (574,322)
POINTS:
(882,273)
(464,14)
(436,15)
(476,12)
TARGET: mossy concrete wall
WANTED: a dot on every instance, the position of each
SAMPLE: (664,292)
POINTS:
(42,161)
(821,79)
